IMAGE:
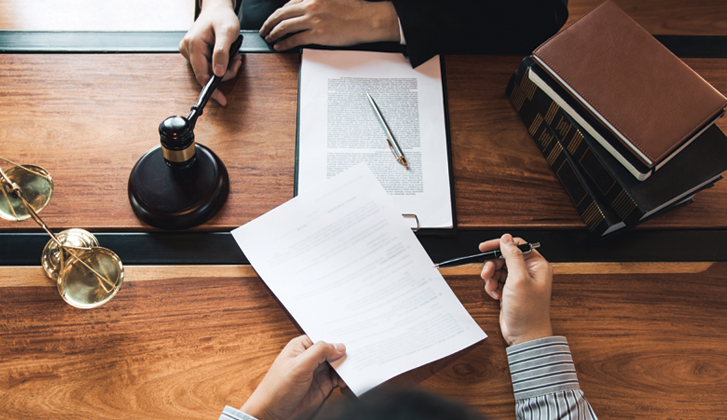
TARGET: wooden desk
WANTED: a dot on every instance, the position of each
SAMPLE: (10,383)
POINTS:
(181,342)
(88,118)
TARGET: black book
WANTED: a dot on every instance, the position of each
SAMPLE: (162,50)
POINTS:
(588,122)
(695,168)
(599,217)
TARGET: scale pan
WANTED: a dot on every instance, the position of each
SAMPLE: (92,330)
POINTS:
(36,185)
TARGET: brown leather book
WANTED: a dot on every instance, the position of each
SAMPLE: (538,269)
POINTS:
(651,101)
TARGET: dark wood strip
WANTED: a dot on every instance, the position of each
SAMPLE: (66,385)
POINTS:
(697,46)
(108,42)
(557,246)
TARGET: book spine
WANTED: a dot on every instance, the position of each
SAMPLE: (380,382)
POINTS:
(599,218)
(589,123)
(605,185)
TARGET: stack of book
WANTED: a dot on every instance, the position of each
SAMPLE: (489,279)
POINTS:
(627,127)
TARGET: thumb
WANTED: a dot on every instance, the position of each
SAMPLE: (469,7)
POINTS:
(512,254)
(319,353)
(221,53)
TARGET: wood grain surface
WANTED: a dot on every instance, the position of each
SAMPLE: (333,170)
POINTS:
(666,17)
(88,118)
(502,180)
(182,342)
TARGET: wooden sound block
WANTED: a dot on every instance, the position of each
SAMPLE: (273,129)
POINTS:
(178,199)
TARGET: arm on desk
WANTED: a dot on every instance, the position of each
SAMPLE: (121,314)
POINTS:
(541,367)
(331,22)
(542,370)
(545,382)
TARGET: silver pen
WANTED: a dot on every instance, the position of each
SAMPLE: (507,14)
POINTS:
(390,139)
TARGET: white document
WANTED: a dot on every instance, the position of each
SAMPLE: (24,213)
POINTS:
(346,266)
(338,128)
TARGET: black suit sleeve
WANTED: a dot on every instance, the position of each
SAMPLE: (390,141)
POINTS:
(503,27)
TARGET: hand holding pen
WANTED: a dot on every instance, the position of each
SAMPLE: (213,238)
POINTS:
(483,256)
(522,283)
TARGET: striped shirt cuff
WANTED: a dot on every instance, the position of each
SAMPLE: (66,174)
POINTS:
(230,413)
(541,367)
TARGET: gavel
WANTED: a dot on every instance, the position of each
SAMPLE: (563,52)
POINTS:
(180,183)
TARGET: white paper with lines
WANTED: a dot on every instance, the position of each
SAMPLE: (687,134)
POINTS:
(337,127)
(347,267)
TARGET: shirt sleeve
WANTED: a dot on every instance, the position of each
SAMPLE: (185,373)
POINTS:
(230,413)
(545,382)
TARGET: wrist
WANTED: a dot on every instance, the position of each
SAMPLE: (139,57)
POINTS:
(210,4)
(384,22)
(254,409)
(530,335)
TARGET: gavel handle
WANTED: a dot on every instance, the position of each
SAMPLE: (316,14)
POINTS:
(210,87)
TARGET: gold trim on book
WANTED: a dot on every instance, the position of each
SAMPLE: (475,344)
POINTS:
(563,127)
(535,125)
(517,97)
(552,110)
(593,216)
(553,156)
(575,142)
(623,205)
(528,86)
(545,139)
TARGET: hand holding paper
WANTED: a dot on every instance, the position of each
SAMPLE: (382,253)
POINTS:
(344,263)
(298,381)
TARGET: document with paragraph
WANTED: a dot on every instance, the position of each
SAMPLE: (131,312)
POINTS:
(337,127)
(349,270)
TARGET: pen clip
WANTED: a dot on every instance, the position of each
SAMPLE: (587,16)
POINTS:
(532,246)
(528,248)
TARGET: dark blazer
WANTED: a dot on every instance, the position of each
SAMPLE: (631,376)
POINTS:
(431,27)
(503,27)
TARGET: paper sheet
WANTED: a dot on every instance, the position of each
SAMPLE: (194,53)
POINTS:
(338,128)
(346,266)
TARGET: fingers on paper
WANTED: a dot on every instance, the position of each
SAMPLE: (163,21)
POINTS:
(311,355)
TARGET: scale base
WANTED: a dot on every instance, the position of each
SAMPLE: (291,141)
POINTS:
(178,199)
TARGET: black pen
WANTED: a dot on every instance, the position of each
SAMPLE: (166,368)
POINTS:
(489,255)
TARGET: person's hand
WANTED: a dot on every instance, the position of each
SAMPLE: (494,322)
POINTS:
(331,22)
(298,381)
(209,40)
(522,284)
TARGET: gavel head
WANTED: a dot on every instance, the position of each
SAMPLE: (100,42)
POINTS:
(177,138)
